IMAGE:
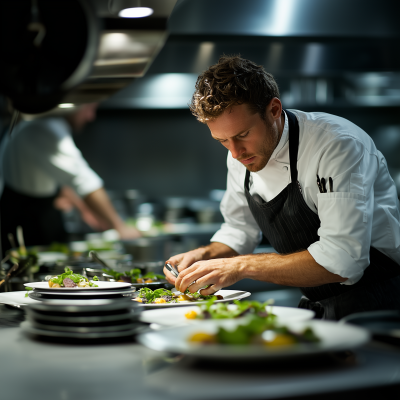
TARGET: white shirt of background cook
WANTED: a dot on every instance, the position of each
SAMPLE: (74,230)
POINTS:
(362,211)
(40,156)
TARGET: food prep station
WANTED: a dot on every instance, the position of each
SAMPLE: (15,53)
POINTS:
(98,344)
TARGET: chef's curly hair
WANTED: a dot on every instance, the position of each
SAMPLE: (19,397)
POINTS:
(232,81)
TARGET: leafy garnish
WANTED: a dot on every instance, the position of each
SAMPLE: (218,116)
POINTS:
(151,295)
(27,288)
(134,274)
(251,332)
(152,275)
(243,308)
(76,278)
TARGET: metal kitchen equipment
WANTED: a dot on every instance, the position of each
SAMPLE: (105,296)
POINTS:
(75,51)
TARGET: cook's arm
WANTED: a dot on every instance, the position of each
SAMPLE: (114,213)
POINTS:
(298,269)
(100,203)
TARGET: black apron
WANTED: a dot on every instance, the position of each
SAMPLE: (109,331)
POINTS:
(291,226)
(42,224)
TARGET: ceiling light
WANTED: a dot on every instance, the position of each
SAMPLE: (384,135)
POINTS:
(66,105)
(136,12)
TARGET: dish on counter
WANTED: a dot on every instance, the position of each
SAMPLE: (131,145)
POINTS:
(239,309)
(135,276)
(332,337)
(256,330)
(165,296)
(227,295)
(177,316)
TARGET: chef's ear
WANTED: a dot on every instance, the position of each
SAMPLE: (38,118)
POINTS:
(274,110)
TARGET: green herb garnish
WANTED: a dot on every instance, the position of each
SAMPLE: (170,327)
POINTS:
(76,278)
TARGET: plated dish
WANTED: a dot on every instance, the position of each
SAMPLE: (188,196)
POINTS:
(227,295)
(332,337)
(177,316)
(135,276)
(165,296)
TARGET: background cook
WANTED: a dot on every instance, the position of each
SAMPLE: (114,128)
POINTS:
(39,163)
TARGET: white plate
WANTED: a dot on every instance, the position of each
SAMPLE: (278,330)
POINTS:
(228,295)
(28,328)
(176,316)
(16,299)
(82,293)
(101,286)
(334,337)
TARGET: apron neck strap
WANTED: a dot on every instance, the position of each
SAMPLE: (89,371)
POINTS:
(293,143)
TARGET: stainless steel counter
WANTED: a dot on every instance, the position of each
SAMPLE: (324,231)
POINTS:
(40,370)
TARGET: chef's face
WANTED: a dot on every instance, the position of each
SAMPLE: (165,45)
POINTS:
(82,116)
(249,138)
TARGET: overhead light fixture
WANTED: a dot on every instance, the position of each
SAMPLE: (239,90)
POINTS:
(136,12)
(66,105)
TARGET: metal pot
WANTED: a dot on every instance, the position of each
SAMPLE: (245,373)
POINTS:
(148,249)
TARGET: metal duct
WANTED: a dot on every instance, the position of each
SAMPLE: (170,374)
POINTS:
(85,51)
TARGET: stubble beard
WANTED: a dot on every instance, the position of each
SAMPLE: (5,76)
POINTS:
(268,146)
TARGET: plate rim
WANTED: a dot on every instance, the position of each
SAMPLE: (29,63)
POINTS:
(258,351)
(183,304)
(119,285)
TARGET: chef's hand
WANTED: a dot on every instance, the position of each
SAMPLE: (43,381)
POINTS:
(127,232)
(183,261)
(219,273)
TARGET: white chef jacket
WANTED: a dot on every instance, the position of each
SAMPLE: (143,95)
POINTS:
(40,156)
(362,211)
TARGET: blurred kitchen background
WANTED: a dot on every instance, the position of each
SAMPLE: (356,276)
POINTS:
(160,166)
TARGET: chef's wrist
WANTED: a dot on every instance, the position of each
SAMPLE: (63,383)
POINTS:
(243,267)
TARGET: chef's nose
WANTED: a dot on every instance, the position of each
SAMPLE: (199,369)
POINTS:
(236,149)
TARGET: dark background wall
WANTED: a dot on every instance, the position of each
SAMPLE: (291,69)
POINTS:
(169,153)
(159,152)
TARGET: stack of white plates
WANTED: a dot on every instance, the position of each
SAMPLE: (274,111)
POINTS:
(105,290)
(88,320)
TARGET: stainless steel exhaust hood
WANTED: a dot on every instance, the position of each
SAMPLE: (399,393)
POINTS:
(85,53)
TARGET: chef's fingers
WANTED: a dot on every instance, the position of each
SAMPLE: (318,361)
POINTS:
(182,261)
(170,278)
(191,274)
(210,290)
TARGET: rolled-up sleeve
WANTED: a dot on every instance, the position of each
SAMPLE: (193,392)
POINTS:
(239,231)
(346,214)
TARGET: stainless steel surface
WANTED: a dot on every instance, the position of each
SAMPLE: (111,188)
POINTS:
(288,18)
(145,249)
(126,48)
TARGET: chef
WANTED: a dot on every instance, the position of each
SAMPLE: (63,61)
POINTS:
(313,183)
(38,160)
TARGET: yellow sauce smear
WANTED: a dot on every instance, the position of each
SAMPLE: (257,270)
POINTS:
(191,315)
(280,340)
(202,337)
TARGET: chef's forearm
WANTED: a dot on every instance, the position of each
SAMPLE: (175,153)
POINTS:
(298,269)
(100,203)
(217,250)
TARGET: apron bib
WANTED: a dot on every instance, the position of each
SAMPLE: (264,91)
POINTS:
(41,222)
(291,226)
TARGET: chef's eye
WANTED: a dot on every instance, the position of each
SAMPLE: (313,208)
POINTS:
(243,135)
